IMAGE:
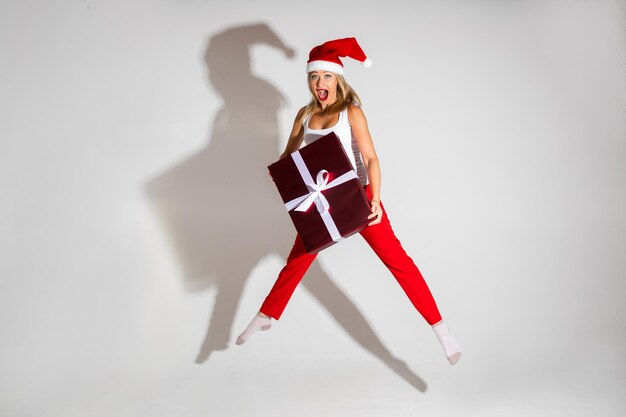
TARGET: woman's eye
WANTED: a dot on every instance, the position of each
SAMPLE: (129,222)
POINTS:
(328,76)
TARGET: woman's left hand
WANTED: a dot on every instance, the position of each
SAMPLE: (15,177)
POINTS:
(377,212)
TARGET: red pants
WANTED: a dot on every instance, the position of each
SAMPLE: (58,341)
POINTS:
(383,241)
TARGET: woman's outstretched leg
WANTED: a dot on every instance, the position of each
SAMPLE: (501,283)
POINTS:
(298,262)
(386,245)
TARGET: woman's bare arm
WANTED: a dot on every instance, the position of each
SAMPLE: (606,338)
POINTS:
(357,120)
(296,135)
(363,139)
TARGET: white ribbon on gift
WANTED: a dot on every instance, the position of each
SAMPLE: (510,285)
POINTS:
(315,195)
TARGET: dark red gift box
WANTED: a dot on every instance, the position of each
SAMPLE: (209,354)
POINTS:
(322,193)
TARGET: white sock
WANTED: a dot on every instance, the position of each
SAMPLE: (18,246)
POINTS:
(259,322)
(450,347)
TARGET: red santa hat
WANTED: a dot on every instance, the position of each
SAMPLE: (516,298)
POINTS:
(325,57)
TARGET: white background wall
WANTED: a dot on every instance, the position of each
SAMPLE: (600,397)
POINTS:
(140,232)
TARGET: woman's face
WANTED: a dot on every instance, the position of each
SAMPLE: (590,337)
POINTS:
(323,85)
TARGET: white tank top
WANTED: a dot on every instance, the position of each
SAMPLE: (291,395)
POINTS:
(343,130)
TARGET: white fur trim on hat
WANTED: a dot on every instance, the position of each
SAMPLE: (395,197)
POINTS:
(324,66)
(367,63)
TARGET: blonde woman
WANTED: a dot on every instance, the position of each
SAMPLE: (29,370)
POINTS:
(335,107)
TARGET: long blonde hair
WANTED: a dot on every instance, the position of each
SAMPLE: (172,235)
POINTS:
(345,97)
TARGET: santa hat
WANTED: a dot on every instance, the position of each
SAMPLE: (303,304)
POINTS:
(325,57)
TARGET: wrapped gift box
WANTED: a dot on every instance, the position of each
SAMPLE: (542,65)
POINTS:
(322,193)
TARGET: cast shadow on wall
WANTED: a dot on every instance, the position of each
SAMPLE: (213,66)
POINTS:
(221,211)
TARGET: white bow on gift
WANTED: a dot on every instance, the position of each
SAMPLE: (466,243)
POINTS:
(303,203)
(315,195)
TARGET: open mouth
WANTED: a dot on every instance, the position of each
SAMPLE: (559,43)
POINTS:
(322,94)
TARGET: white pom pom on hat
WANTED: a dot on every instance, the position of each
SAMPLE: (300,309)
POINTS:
(326,56)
